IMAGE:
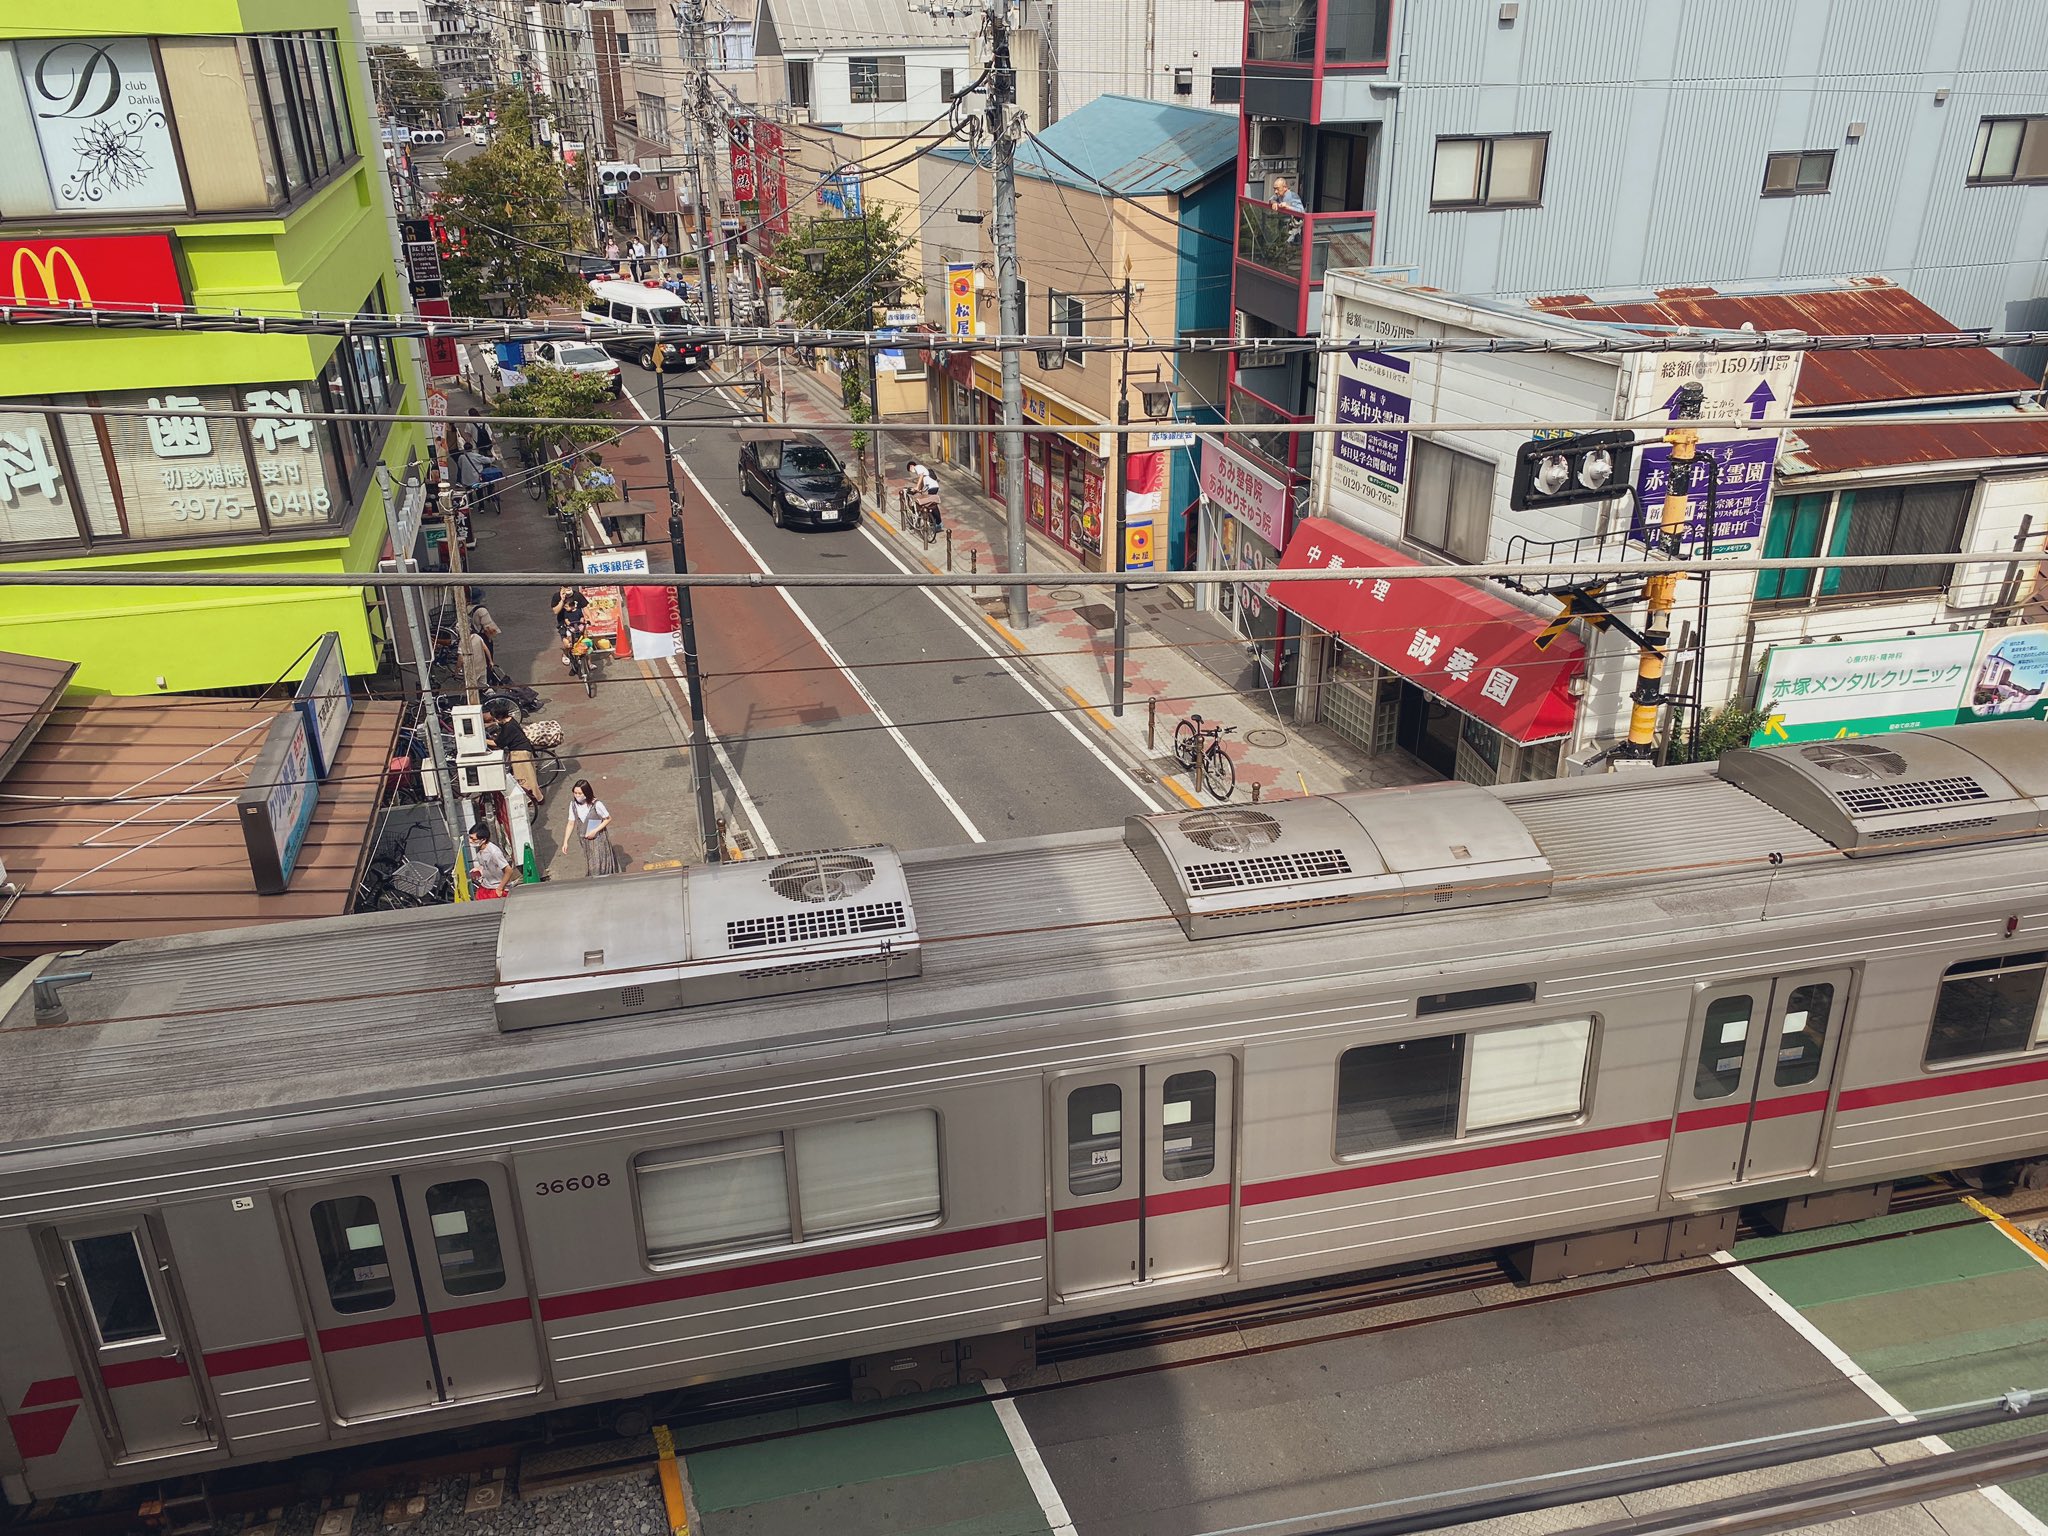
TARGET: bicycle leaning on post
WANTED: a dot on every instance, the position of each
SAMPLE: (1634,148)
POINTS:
(1199,747)
(919,514)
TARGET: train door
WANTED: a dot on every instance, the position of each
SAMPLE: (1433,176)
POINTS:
(1143,1174)
(1759,1072)
(142,1380)
(416,1290)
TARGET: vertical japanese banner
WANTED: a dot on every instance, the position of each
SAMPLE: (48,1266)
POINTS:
(960,300)
(1034,493)
(771,181)
(443,362)
(1143,499)
(740,140)
(1371,467)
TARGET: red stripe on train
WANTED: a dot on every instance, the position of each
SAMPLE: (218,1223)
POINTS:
(2008,1076)
(1175,1202)
(1108,1214)
(142,1373)
(1464,1160)
(257,1357)
(809,1266)
(489,1314)
(1717,1116)
(53,1389)
(42,1432)
(387,1330)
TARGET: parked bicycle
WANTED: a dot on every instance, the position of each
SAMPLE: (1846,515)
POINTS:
(396,880)
(585,654)
(919,515)
(1198,744)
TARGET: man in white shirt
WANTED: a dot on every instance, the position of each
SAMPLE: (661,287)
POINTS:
(490,870)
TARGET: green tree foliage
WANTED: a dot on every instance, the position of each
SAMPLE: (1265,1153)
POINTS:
(863,265)
(513,106)
(1732,725)
(559,392)
(408,89)
(511,203)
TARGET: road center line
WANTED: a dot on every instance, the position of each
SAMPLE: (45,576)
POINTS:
(924,769)
(1043,1489)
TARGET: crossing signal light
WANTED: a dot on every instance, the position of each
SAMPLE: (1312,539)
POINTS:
(1574,467)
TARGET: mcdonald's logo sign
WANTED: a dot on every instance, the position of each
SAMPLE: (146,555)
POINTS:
(115,272)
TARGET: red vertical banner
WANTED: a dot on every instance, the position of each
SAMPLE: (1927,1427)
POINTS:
(739,138)
(443,362)
(771,183)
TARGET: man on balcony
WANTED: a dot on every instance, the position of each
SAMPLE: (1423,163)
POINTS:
(1285,197)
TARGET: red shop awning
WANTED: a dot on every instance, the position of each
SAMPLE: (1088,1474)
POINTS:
(1474,650)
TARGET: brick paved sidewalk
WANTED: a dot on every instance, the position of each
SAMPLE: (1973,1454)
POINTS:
(1178,662)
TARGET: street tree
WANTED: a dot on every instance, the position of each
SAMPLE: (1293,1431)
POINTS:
(842,274)
(406,88)
(558,392)
(511,104)
(508,216)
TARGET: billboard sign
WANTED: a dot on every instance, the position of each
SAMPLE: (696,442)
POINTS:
(1245,492)
(960,300)
(1735,387)
(127,272)
(102,124)
(276,807)
(1741,486)
(1369,466)
(1864,687)
(2011,679)
(323,698)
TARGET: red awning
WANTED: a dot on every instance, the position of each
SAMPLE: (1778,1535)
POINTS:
(1472,649)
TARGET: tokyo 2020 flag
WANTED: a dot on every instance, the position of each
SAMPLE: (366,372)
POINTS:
(653,622)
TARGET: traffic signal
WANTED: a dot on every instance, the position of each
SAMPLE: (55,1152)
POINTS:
(1572,467)
(614,177)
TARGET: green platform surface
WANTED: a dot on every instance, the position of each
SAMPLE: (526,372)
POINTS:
(864,1470)
(1944,1314)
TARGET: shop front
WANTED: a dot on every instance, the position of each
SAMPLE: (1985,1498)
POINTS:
(1244,522)
(1066,474)
(1435,665)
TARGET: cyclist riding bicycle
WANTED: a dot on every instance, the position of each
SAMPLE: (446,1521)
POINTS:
(923,492)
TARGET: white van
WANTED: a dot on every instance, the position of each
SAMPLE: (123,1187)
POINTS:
(627,303)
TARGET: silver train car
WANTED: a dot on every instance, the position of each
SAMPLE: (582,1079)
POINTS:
(278,1190)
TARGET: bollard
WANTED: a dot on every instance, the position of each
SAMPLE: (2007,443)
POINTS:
(949,551)
(1255,794)
(1151,724)
(974,562)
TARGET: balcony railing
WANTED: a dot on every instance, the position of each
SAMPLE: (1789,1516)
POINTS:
(1279,240)
(1248,410)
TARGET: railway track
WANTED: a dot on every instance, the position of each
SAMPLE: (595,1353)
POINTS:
(527,1461)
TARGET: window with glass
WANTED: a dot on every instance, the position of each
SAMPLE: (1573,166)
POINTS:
(1066,315)
(465,1231)
(1988,1008)
(876,77)
(1798,172)
(1724,1041)
(780,1188)
(1928,518)
(354,1260)
(2008,150)
(116,1288)
(653,118)
(1281,32)
(1095,1139)
(1803,1034)
(797,80)
(1355,31)
(1408,1092)
(1226,86)
(1501,171)
(1187,1126)
(1450,500)
(303,104)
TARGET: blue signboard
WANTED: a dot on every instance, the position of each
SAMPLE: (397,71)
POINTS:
(277,806)
(323,698)
(841,192)
(1370,395)
(1742,491)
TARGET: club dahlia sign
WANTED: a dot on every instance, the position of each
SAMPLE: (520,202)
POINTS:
(121,272)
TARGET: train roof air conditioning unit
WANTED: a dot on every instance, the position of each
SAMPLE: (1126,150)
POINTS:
(1907,791)
(713,933)
(1337,858)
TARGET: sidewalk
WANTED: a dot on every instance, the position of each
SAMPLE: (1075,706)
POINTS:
(1179,661)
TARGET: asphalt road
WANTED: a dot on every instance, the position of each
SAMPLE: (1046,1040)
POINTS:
(852,716)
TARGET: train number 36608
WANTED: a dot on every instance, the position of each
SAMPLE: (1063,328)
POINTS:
(571,1184)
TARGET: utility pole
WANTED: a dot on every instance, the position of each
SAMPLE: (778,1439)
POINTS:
(697,149)
(1660,592)
(1123,500)
(693,677)
(1002,98)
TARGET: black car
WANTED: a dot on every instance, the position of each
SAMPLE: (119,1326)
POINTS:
(799,481)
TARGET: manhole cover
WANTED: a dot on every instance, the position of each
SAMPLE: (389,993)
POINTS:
(1066,597)
(1266,739)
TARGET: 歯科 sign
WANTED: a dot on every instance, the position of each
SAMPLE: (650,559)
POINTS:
(1864,687)
(277,806)
(2011,679)
(1372,387)
(323,698)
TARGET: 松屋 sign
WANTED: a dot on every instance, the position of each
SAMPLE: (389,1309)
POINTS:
(1864,687)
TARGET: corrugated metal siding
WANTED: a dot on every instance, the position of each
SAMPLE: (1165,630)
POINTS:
(1700,819)
(1659,134)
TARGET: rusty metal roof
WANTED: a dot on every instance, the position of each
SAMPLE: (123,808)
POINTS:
(1865,306)
(30,687)
(1913,441)
(118,822)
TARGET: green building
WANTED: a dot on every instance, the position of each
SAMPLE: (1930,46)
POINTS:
(212,155)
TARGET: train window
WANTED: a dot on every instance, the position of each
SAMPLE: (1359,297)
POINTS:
(1803,1034)
(716,1197)
(1724,1039)
(1187,1121)
(1987,1007)
(1404,1091)
(1095,1139)
(879,1172)
(1475,997)
(466,1237)
(1528,1072)
(351,1242)
(116,1287)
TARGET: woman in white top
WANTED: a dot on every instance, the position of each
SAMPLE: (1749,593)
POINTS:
(588,819)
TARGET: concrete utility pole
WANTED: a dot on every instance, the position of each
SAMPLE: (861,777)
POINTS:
(693,677)
(699,140)
(1660,593)
(1002,99)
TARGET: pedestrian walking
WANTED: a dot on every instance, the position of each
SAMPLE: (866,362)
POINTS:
(476,662)
(490,871)
(639,258)
(590,821)
(504,732)
(480,437)
(611,253)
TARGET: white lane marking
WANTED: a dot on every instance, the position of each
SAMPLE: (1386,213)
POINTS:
(740,792)
(924,769)
(1073,729)
(1790,1315)
(1050,1504)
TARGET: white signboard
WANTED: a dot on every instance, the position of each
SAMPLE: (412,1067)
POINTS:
(1245,491)
(1739,386)
(98,109)
(1864,687)
(1742,387)
(323,698)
